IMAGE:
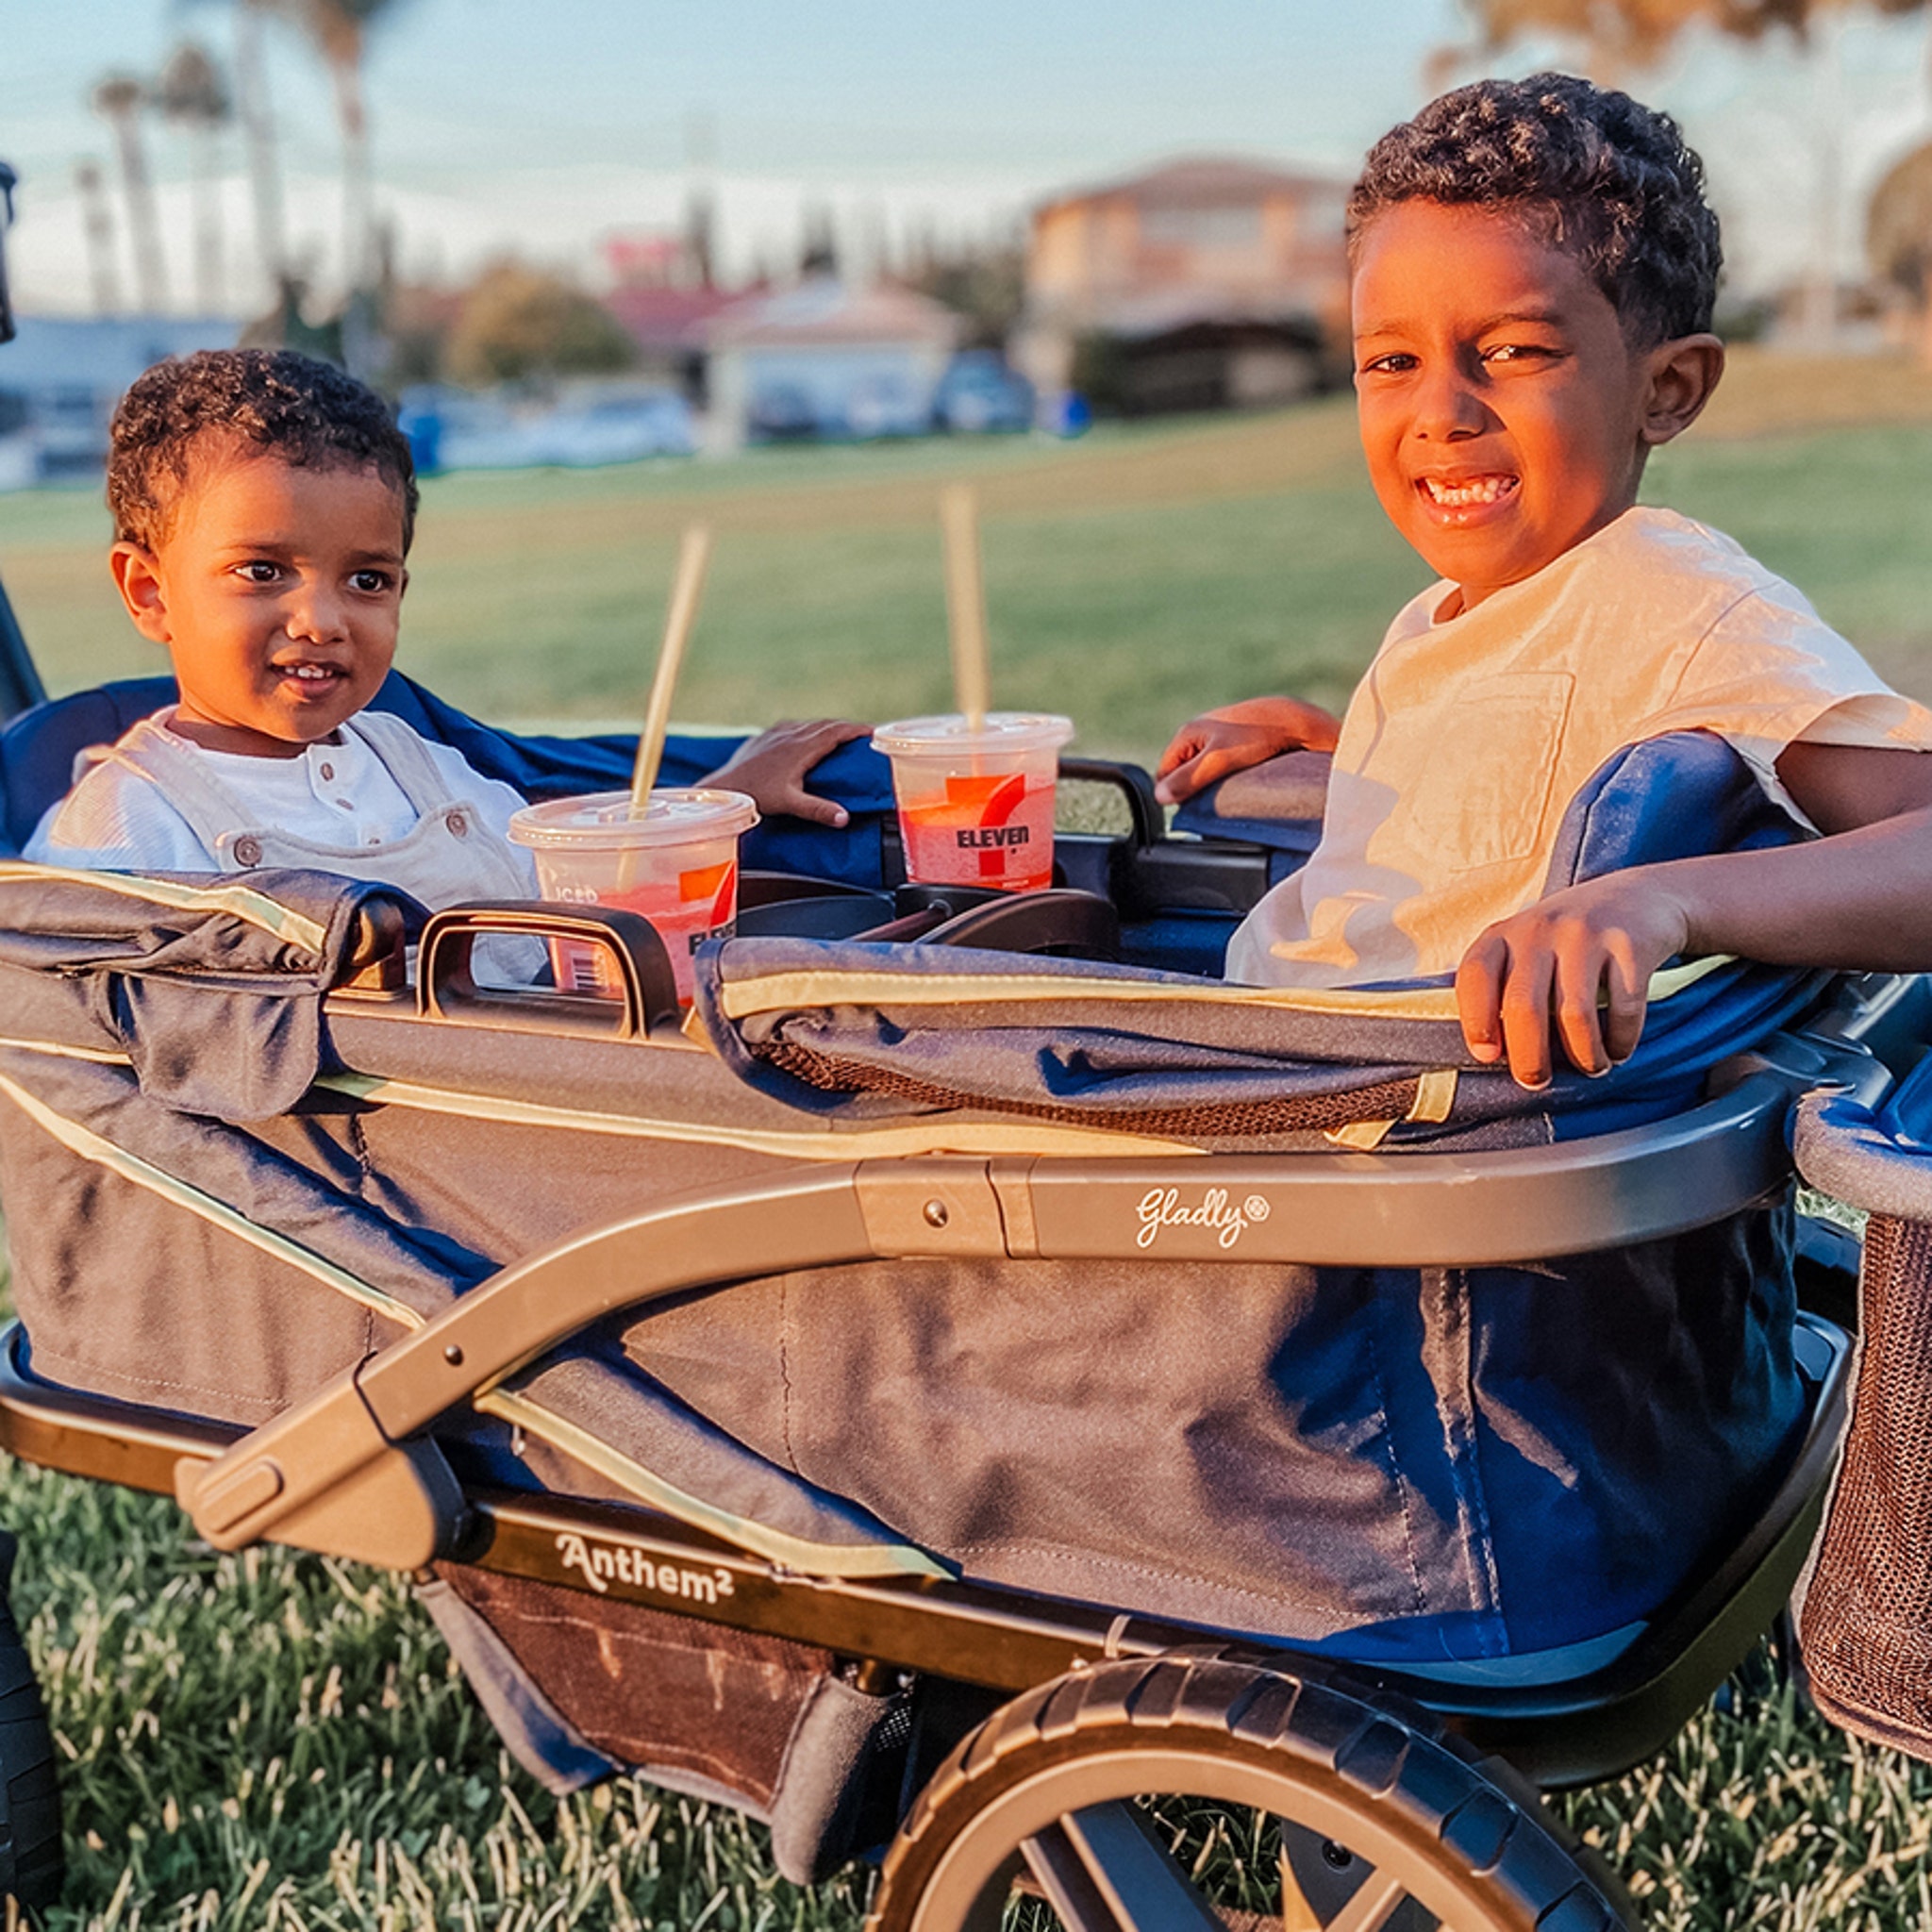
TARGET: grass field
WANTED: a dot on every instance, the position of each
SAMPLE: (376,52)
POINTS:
(274,1741)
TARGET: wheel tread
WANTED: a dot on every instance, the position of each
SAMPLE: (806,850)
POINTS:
(1423,1786)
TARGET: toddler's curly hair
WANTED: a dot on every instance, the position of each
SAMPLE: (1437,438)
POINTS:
(1600,176)
(259,402)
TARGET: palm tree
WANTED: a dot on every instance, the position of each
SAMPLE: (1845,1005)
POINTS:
(193,95)
(339,30)
(119,99)
(259,128)
(1898,236)
(97,218)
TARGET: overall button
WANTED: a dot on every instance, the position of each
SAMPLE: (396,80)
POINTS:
(328,772)
(459,823)
(247,850)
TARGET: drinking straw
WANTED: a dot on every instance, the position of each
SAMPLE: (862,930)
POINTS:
(686,590)
(965,602)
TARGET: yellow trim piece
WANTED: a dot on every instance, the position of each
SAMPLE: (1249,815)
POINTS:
(789,991)
(1020,1136)
(95,1056)
(1434,1095)
(832,987)
(91,1146)
(793,1553)
(244,901)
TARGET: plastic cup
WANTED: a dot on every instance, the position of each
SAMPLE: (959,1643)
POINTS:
(676,865)
(976,807)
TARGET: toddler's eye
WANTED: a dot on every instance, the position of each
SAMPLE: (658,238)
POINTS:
(259,571)
(1397,363)
(1518,352)
(370,582)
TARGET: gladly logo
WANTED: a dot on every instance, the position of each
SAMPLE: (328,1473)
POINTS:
(1226,1218)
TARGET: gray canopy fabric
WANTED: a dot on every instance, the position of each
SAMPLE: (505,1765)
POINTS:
(1439,1462)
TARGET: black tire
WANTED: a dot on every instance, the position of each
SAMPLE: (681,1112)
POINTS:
(1409,1830)
(31,1864)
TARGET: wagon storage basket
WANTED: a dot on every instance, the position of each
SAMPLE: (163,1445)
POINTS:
(1866,1620)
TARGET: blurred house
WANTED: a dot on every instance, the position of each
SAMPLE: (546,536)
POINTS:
(663,293)
(671,329)
(62,377)
(1202,284)
(827,359)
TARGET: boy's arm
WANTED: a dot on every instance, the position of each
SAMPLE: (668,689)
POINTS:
(1577,965)
(1236,736)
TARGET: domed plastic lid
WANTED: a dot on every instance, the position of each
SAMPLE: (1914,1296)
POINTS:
(948,735)
(602,821)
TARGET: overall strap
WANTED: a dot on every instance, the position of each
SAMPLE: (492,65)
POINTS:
(405,757)
(183,778)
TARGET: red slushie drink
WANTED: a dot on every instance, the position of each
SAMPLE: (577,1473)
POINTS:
(676,865)
(976,807)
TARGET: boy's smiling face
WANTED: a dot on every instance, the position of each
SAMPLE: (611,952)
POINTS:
(1504,413)
(277,590)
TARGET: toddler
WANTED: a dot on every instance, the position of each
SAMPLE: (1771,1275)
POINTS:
(264,505)
(1534,269)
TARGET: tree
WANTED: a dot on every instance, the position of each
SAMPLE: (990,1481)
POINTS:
(119,99)
(1898,235)
(1619,35)
(518,323)
(194,97)
(98,220)
(339,30)
(258,129)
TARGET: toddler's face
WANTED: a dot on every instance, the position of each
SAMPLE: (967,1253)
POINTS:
(277,592)
(1503,413)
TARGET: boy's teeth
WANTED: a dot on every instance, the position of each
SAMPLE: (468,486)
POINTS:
(1479,490)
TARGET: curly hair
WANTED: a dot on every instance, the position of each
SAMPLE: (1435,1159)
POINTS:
(258,402)
(1601,176)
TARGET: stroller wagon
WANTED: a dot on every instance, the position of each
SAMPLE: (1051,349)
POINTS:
(975,1375)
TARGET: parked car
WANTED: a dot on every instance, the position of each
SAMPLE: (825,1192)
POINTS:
(980,395)
(457,430)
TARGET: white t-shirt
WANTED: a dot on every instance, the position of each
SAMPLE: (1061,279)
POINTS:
(1468,738)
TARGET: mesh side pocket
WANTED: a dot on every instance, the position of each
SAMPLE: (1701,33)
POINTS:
(651,1689)
(1867,1619)
(759,1722)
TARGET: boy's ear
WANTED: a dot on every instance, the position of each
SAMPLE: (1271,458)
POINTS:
(137,577)
(1683,373)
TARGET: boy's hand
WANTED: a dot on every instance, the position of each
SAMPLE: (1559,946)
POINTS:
(1236,736)
(1578,963)
(772,768)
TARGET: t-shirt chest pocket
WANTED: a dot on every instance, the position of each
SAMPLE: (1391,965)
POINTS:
(1481,786)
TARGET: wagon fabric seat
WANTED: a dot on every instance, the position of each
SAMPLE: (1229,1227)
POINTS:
(39,748)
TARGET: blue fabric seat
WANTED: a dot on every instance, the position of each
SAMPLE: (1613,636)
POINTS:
(38,750)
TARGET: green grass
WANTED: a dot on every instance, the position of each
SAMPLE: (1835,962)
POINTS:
(277,1741)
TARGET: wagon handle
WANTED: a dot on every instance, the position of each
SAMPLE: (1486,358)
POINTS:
(445,988)
(1143,810)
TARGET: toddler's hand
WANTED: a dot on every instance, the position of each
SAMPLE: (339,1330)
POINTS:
(1578,963)
(1236,736)
(772,768)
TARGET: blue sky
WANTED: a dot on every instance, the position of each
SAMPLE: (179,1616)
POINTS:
(501,125)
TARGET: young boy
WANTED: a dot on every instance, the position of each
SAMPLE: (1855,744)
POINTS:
(1534,271)
(264,505)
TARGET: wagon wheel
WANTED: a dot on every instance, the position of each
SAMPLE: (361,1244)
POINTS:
(1040,1818)
(31,1863)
